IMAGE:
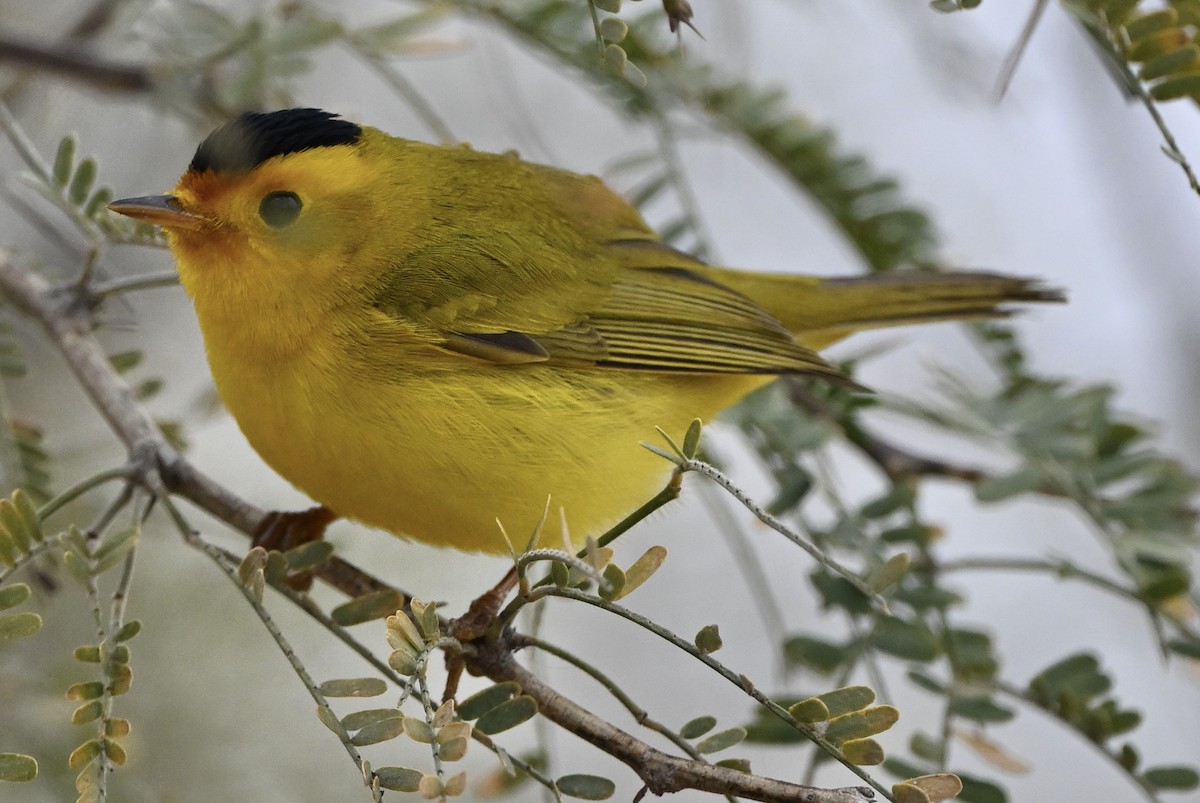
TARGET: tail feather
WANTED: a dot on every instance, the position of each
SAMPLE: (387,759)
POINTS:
(822,311)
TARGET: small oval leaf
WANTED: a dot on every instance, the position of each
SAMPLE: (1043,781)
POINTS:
(721,740)
(860,724)
(643,569)
(708,640)
(586,787)
(863,752)
(308,556)
(485,700)
(507,715)
(128,630)
(381,731)
(17,768)
(399,779)
(360,719)
(353,687)
(885,576)
(13,596)
(19,625)
(698,727)
(84,754)
(367,608)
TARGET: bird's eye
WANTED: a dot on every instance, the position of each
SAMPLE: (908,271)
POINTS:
(279,209)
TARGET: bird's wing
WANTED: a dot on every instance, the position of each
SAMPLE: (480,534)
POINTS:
(639,307)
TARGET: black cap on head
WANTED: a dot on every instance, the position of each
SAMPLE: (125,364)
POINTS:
(254,137)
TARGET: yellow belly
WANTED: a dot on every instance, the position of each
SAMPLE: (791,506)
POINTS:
(439,454)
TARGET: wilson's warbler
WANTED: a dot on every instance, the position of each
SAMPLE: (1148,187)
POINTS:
(429,338)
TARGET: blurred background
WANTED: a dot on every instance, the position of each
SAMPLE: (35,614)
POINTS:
(1063,178)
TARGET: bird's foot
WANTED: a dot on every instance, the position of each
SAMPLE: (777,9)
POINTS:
(283,530)
(475,624)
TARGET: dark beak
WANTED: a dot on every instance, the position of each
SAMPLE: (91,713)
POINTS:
(162,210)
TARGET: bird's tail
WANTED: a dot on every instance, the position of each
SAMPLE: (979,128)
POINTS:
(822,311)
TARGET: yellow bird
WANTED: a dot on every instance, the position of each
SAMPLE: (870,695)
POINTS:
(429,338)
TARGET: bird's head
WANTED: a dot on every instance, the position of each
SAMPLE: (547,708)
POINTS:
(280,208)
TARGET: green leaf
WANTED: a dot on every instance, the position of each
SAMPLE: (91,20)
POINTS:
(329,719)
(860,724)
(737,764)
(708,640)
(13,596)
(897,497)
(980,709)
(908,640)
(418,730)
(98,203)
(975,790)
(927,597)
(885,576)
(19,625)
(614,582)
(691,439)
(113,549)
(485,700)
(810,710)
(697,727)
(307,557)
(353,687)
(613,29)
(1174,779)
(1079,673)
(84,754)
(586,787)
(17,768)
(379,731)
(82,181)
(88,712)
(847,699)
(722,740)
(64,160)
(814,653)
(128,630)
(1187,649)
(89,690)
(863,752)
(838,592)
(508,714)
(124,361)
(995,489)
(926,682)
(925,746)
(360,719)
(399,779)
(368,607)
(88,654)
(642,569)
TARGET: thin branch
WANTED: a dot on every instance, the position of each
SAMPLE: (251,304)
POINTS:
(71,61)
(662,772)
(129,284)
(1014,57)
(741,681)
(640,715)
(1065,570)
(1103,38)
(895,462)
(819,555)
